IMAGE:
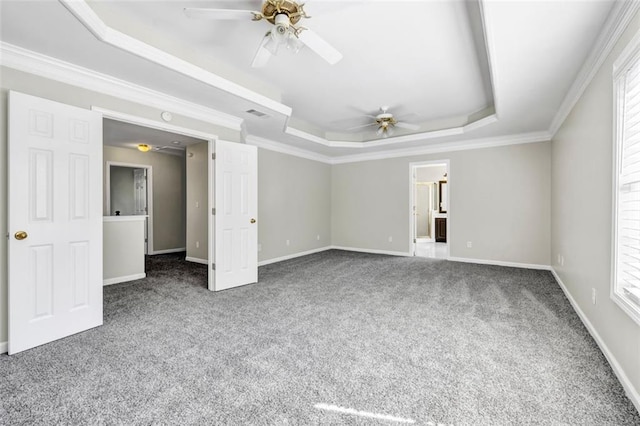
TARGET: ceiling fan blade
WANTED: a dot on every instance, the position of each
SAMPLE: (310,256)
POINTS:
(360,127)
(314,42)
(225,14)
(262,55)
(408,126)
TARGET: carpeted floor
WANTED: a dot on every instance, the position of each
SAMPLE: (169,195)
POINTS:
(422,340)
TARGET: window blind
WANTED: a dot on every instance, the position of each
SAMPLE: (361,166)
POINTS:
(628,250)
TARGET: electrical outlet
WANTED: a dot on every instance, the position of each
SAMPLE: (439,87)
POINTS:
(561,260)
(259,247)
(197,244)
(469,244)
(318,237)
(288,242)
(197,204)
(390,239)
(593,296)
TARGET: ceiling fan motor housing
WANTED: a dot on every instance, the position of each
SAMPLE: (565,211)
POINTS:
(292,10)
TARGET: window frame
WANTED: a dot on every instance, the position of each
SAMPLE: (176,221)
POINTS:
(629,57)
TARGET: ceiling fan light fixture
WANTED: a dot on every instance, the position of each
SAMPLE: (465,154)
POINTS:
(272,45)
(294,44)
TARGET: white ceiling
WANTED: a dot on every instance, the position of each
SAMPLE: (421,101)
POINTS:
(501,68)
(126,135)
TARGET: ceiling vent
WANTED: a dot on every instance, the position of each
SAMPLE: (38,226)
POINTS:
(257,113)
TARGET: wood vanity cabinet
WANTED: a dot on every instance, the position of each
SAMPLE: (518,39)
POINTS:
(441,230)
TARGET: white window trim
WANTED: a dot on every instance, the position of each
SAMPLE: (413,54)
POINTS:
(629,56)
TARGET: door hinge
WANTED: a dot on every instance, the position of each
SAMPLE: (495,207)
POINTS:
(213,156)
(414,241)
(213,266)
(7,235)
(213,211)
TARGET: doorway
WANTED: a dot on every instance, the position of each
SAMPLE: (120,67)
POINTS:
(429,209)
(162,169)
(129,192)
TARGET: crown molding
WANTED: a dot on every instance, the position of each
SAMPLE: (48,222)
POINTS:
(287,149)
(614,26)
(408,152)
(447,147)
(453,131)
(64,72)
(54,69)
(81,10)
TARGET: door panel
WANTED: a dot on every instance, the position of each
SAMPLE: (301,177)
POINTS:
(236,200)
(55,197)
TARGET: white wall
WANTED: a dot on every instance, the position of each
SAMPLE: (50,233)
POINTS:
(169,193)
(581,193)
(431,173)
(123,248)
(499,200)
(197,164)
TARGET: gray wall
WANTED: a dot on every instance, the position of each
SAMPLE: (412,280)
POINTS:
(197,201)
(169,193)
(581,191)
(49,89)
(294,203)
(499,200)
(121,190)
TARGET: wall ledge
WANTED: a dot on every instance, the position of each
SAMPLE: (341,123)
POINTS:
(500,263)
(293,256)
(123,279)
(168,251)
(373,251)
(196,260)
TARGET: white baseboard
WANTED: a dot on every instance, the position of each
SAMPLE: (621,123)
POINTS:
(123,279)
(292,256)
(4,347)
(372,251)
(196,260)
(167,251)
(500,263)
(632,393)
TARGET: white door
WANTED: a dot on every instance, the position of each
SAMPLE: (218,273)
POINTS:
(236,205)
(55,221)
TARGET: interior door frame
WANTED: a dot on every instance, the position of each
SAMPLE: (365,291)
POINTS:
(208,137)
(413,166)
(107,189)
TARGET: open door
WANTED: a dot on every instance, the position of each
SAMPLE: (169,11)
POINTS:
(55,221)
(236,206)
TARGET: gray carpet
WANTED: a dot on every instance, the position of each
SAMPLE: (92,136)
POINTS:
(430,341)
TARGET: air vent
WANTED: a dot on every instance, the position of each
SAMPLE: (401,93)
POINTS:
(257,113)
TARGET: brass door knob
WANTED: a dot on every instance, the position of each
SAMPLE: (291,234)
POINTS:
(20,235)
(253,220)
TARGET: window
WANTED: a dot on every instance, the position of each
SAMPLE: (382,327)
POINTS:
(625,286)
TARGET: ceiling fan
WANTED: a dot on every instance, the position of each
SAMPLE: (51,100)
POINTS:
(386,123)
(283,15)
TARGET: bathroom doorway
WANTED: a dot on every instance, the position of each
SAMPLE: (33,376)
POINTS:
(429,210)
